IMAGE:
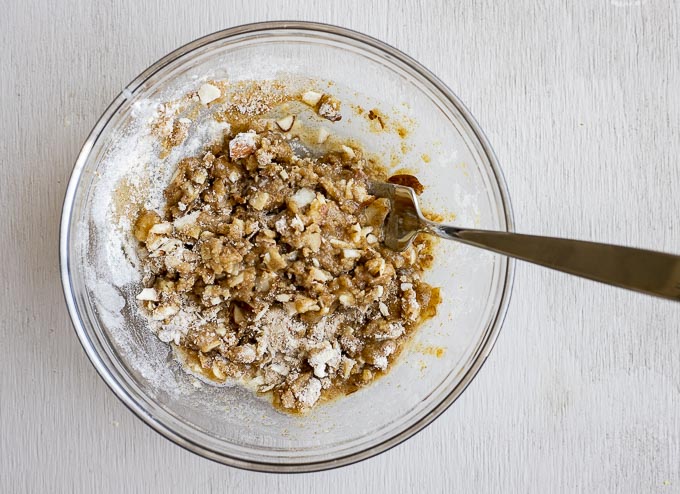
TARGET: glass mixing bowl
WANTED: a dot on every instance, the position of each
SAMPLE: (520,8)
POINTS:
(444,147)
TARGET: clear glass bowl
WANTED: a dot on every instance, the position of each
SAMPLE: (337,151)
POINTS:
(229,424)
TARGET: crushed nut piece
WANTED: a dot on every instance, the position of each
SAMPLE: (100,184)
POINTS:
(349,152)
(312,98)
(259,200)
(243,145)
(208,93)
(149,294)
(322,135)
(303,197)
(329,108)
(286,123)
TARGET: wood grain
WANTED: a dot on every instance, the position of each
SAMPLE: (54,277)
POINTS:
(580,100)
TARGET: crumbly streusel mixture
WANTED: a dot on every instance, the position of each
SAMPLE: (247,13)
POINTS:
(268,266)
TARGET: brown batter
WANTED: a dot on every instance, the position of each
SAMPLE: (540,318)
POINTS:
(268,266)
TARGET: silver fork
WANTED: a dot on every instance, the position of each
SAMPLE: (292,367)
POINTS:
(646,271)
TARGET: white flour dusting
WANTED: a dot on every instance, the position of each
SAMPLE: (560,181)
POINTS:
(114,278)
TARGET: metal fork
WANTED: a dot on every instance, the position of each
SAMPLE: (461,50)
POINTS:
(650,272)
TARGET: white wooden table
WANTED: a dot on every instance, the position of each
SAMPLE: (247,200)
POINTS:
(581,101)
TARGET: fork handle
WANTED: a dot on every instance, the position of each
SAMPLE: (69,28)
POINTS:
(654,273)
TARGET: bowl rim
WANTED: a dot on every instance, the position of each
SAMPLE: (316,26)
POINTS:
(119,389)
